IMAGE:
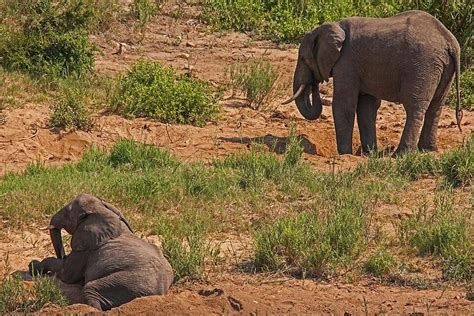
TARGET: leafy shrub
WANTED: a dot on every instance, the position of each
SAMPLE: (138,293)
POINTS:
(151,90)
(255,78)
(70,110)
(52,40)
(381,262)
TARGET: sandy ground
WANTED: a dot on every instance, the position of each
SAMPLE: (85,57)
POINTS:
(26,137)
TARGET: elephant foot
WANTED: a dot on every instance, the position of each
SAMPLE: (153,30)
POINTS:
(36,268)
(427,148)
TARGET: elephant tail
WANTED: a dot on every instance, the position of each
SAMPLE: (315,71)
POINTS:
(459,113)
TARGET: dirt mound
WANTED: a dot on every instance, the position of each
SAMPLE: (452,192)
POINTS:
(290,296)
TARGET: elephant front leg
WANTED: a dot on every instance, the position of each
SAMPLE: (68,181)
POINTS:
(367,107)
(343,109)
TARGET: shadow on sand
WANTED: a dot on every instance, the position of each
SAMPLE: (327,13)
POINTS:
(275,143)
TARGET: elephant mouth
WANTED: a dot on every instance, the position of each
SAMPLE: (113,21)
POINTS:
(56,239)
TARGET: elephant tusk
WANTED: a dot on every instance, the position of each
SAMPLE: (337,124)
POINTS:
(297,94)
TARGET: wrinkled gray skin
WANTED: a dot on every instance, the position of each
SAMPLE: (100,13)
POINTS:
(114,265)
(408,58)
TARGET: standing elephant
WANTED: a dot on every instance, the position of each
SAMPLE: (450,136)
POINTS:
(408,58)
(114,265)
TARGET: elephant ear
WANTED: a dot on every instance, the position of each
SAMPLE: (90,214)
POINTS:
(113,209)
(95,229)
(329,38)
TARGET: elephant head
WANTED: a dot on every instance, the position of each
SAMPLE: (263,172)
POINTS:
(317,55)
(90,221)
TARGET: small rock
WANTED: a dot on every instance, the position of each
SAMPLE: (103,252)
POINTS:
(190,44)
(192,22)
(183,55)
(213,292)
(236,304)
(188,67)
(324,117)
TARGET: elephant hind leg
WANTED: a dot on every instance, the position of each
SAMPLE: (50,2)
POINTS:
(415,115)
(114,289)
(367,107)
(427,140)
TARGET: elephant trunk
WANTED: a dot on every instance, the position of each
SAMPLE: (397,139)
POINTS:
(303,76)
(56,239)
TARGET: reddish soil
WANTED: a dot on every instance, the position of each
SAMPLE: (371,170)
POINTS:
(26,137)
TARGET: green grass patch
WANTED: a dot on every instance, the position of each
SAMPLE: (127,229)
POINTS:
(143,10)
(256,78)
(151,90)
(16,298)
(186,245)
(315,243)
(457,166)
(380,263)
(443,233)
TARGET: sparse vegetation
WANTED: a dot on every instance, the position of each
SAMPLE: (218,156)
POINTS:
(256,78)
(143,10)
(443,233)
(16,298)
(314,243)
(380,263)
(186,246)
(457,166)
(151,90)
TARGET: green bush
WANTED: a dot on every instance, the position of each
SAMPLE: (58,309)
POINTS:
(151,90)
(255,78)
(380,263)
(70,110)
(50,39)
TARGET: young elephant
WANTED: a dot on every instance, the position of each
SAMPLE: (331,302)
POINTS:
(114,265)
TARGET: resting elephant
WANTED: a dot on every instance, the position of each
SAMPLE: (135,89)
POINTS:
(114,265)
(408,58)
